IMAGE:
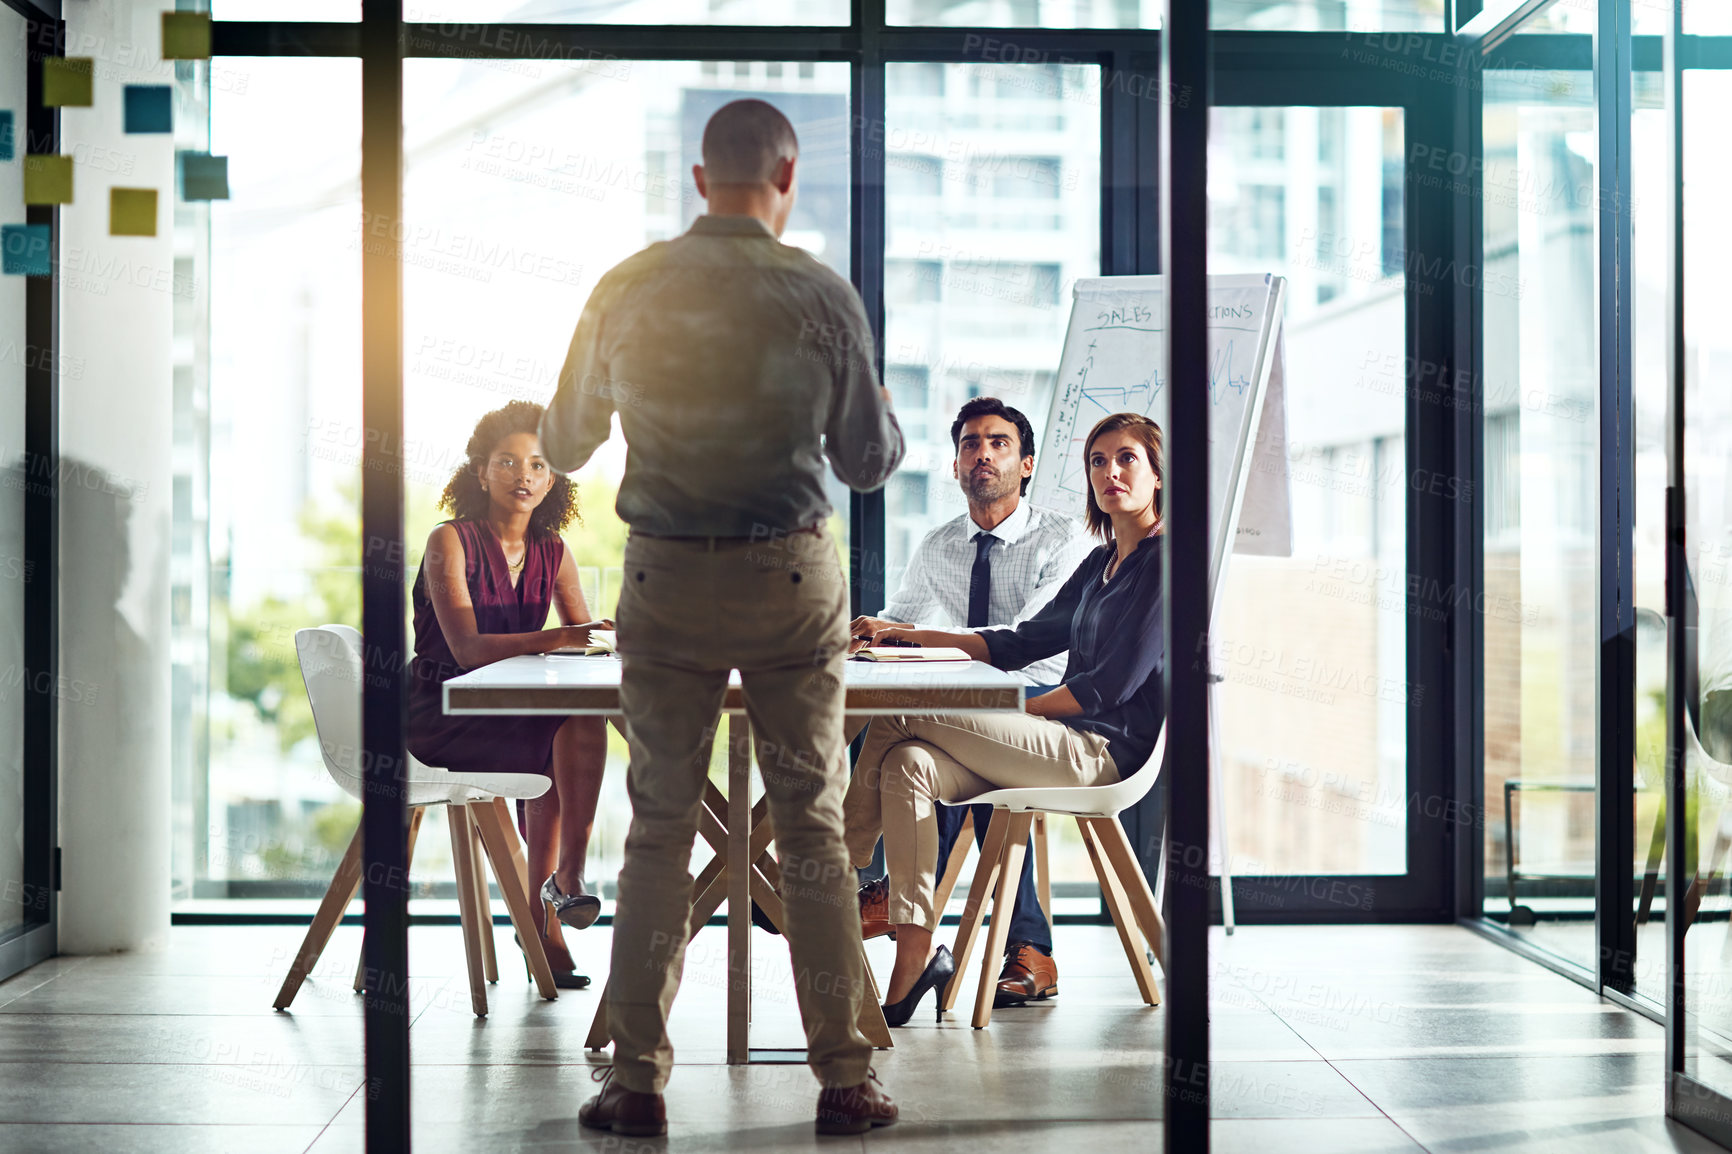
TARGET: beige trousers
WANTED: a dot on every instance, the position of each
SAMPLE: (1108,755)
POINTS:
(908,763)
(688,613)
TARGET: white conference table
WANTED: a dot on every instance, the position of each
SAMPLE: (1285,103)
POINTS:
(742,871)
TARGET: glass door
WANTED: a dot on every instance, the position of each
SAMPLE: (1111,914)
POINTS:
(28,475)
(1325,700)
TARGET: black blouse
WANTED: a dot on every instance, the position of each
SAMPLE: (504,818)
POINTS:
(1118,649)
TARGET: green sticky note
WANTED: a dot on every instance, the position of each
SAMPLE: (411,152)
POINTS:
(203,176)
(132,212)
(47,180)
(186,36)
(68,81)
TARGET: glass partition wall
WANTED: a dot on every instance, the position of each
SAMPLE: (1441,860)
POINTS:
(1462,427)
(1002,184)
(29,463)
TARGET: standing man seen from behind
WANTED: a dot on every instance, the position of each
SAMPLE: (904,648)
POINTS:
(736,364)
(996,565)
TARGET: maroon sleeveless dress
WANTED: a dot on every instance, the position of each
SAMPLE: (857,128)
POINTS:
(482,744)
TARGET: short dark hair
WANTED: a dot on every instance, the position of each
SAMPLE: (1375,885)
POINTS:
(993,407)
(744,140)
(1144,430)
(468,501)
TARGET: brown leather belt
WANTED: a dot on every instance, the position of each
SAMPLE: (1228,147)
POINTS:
(711,543)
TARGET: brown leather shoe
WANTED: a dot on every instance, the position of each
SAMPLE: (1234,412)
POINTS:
(856,1109)
(875,910)
(623,1111)
(1028,976)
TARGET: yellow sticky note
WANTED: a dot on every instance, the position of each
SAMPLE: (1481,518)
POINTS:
(186,36)
(68,81)
(47,180)
(132,212)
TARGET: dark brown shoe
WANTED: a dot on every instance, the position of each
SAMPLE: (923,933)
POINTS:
(855,1109)
(623,1111)
(875,910)
(1028,976)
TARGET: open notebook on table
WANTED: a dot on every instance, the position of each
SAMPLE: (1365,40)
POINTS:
(911,653)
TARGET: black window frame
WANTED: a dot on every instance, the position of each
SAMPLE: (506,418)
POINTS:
(1432,77)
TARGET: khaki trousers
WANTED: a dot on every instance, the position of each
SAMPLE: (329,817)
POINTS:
(688,613)
(908,763)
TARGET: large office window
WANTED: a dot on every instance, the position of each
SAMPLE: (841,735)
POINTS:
(525,182)
(1541,381)
(1313,721)
(1708,528)
(523,187)
(992,210)
(271,505)
(16,570)
(465,17)
(1257,15)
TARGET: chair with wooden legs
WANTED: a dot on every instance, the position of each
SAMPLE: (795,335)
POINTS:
(476,812)
(959,857)
(1124,888)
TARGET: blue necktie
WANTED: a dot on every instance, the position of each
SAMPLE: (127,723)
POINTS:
(980,583)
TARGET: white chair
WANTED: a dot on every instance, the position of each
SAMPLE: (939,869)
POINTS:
(1123,886)
(331,667)
(1698,762)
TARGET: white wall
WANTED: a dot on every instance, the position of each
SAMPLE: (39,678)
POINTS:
(116,492)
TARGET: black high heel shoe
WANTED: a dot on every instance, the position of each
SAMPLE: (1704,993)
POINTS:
(577,910)
(562,979)
(936,976)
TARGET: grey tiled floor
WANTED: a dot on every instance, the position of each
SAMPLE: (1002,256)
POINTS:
(1371,1040)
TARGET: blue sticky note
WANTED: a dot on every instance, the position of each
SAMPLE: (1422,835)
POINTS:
(7,135)
(203,176)
(25,249)
(149,108)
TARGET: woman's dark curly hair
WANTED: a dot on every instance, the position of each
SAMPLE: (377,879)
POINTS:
(463,494)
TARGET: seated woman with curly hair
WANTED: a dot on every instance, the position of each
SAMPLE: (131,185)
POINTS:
(487,580)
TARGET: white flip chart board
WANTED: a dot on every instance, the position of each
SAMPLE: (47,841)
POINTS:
(1114,361)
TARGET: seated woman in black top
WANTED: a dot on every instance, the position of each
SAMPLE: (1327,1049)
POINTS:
(1097,727)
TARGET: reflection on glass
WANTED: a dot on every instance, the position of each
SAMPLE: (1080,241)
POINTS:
(257,814)
(758,12)
(343,10)
(13,571)
(1651,195)
(1539,490)
(1708,535)
(527,181)
(1315,758)
(992,207)
(1259,15)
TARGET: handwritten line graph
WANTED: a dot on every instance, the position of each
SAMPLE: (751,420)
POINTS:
(1113,362)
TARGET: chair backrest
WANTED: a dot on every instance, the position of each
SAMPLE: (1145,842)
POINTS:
(1084,800)
(1695,755)
(330,657)
(1128,791)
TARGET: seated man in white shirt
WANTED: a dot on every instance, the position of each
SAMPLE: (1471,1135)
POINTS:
(995,565)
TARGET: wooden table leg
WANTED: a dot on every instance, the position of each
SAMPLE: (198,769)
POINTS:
(739,889)
(869,1015)
(710,890)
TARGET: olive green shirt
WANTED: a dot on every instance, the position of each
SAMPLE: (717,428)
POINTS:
(737,364)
